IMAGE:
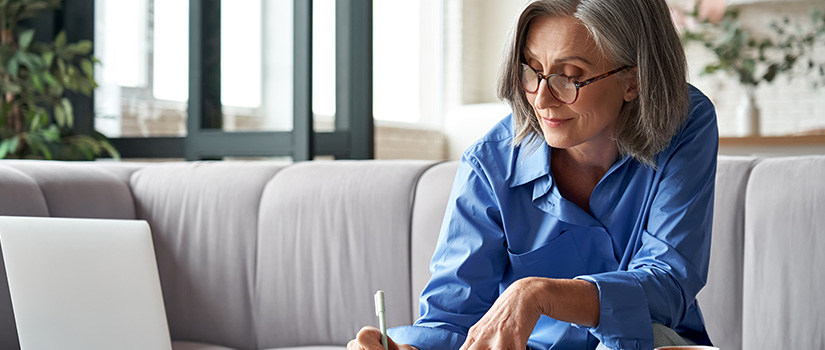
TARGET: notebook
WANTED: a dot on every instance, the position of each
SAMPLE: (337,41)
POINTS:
(83,284)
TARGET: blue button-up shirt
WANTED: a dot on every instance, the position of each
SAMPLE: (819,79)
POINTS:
(645,242)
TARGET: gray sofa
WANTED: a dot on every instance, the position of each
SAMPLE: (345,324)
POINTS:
(259,255)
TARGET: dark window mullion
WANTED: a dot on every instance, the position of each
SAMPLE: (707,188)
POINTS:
(74,16)
(353,72)
(303,147)
(204,110)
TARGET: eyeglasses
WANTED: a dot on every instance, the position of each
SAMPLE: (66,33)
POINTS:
(563,88)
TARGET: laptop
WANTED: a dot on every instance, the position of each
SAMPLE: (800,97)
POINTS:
(83,284)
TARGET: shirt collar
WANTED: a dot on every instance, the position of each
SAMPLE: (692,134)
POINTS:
(531,161)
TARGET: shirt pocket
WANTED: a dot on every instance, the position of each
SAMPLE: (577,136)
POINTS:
(558,258)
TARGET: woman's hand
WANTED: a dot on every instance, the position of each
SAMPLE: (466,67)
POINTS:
(510,320)
(369,338)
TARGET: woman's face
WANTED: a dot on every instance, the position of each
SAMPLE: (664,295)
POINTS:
(562,45)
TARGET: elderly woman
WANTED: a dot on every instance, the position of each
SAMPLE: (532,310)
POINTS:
(584,218)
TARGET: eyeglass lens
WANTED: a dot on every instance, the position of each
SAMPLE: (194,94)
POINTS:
(561,87)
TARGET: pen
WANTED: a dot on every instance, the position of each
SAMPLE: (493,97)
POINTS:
(380,311)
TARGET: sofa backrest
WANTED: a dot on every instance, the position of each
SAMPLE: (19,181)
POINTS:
(353,222)
(721,298)
(204,221)
(783,304)
(431,197)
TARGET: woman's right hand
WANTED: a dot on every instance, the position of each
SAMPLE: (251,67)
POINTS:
(369,338)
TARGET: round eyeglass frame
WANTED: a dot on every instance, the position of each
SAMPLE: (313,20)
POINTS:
(578,84)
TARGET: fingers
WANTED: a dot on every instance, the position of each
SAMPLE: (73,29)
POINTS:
(369,338)
(369,334)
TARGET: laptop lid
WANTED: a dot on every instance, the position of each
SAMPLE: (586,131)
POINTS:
(83,283)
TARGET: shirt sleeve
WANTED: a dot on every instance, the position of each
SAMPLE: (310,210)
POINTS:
(671,253)
(467,265)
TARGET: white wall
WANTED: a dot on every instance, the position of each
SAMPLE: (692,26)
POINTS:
(786,108)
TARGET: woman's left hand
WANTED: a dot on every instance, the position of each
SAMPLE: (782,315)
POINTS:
(511,319)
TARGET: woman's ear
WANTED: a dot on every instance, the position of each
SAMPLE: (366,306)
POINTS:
(632,84)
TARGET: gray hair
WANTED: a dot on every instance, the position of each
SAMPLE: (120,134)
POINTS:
(636,33)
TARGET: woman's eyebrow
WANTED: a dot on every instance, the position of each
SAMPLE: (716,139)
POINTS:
(572,58)
(529,55)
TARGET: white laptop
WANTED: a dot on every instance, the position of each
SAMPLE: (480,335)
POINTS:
(83,284)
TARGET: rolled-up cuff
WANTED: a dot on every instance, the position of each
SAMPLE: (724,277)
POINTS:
(624,316)
(427,338)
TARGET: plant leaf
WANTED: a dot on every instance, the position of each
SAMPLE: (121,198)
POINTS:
(38,84)
(35,122)
(5,146)
(67,108)
(13,66)
(82,47)
(48,57)
(106,145)
(51,133)
(86,66)
(60,40)
(25,39)
(59,116)
(49,78)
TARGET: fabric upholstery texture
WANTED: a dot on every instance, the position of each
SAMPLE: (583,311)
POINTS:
(204,219)
(80,190)
(21,194)
(331,234)
(431,197)
(783,304)
(721,299)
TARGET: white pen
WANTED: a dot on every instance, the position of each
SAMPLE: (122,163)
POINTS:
(380,311)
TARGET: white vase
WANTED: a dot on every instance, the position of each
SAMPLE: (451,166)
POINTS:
(747,115)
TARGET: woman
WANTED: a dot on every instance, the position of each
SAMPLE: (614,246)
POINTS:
(584,218)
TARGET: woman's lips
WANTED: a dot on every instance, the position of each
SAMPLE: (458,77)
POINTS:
(554,122)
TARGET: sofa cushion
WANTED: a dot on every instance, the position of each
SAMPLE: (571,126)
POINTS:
(330,235)
(721,298)
(431,196)
(21,194)
(204,219)
(783,307)
(80,190)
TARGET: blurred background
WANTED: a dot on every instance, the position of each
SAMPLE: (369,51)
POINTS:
(434,69)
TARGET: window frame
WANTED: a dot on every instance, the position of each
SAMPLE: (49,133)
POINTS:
(354,128)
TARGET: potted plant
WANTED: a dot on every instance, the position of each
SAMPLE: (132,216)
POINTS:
(36,118)
(753,60)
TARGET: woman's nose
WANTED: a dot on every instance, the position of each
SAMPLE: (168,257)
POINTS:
(545,99)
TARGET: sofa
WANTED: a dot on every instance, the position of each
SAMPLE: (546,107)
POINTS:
(263,255)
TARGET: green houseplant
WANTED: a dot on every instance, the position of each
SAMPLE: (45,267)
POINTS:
(754,59)
(36,118)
